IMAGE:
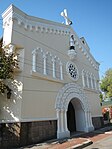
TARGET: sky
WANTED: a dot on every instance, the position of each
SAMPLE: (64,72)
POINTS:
(92,19)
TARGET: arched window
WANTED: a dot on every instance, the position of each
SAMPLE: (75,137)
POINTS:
(39,61)
(89,81)
(61,70)
(49,67)
(53,67)
(46,64)
(34,60)
(93,81)
(97,85)
(57,64)
(84,78)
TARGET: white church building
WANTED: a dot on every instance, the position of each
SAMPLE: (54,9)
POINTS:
(55,91)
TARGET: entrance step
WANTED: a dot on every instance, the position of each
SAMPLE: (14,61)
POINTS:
(76,134)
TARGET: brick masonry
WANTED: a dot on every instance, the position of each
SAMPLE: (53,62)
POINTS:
(21,134)
(97,122)
(14,135)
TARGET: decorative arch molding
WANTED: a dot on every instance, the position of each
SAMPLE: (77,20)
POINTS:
(89,81)
(65,95)
(68,92)
(47,65)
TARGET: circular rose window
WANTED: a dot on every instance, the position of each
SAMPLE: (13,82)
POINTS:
(72,71)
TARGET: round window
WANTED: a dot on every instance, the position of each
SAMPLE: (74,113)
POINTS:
(72,70)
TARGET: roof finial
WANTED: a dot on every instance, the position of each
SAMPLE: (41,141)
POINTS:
(67,20)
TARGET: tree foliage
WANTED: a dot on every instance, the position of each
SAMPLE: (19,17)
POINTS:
(106,83)
(8,62)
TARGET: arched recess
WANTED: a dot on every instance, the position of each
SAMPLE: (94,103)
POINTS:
(65,95)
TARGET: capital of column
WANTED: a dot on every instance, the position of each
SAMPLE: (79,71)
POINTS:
(34,52)
(62,110)
(44,56)
(19,22)
(58,110)
(61,64)
(53,59)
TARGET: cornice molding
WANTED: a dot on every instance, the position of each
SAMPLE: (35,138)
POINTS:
(31,23)
(39,26)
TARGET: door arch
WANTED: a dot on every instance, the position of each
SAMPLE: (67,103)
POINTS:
(65,95)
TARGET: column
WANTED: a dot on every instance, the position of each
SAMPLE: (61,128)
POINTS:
(91,82)
(91,127)
(95,83)
(83,79)
(86,121)
(53,65)
(65,115)
(58,120)
(90,120)
(61,71)
(62,124)
(34,53)
(44,57)
(87,80)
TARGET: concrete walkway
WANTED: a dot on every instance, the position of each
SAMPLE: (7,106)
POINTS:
(105,143)
(78,141)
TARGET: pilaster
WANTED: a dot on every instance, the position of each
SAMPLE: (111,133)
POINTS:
(44,58)
(34,54)
(53,65)
(61,70)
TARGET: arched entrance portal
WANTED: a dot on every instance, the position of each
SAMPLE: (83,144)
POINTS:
(71,93)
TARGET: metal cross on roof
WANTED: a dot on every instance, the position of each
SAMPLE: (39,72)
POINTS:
(65,15)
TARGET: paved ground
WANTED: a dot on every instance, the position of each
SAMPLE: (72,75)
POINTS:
(78,141)
(105,143)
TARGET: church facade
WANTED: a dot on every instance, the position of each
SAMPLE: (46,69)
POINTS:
(56,88)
